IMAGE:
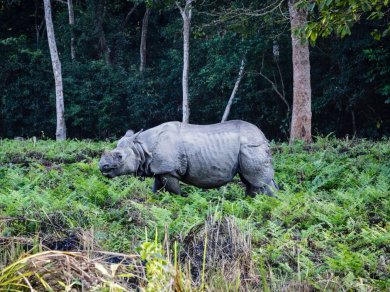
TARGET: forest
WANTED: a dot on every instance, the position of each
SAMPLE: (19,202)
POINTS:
(107,91)
(76,75)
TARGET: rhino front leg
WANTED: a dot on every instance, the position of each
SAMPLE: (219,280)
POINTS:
(256,170)
(252,190)
(158,185)
(169,183)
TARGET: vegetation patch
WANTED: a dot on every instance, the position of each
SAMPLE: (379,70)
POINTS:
(72,271)
(221,248)
(328,229)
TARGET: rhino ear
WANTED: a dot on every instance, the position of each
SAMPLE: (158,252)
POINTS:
(129,133)
(136,134)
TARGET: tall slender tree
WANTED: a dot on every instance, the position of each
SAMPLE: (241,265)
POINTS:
(71,24)
(144,34)
(234,91)
(55,60)
(186,14)
(301,113)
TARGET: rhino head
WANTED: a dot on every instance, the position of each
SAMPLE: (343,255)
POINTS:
(124,159)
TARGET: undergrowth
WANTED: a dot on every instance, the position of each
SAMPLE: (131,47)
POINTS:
(327,230)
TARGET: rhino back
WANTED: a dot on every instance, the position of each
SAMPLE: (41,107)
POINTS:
(164,144)
(212,153)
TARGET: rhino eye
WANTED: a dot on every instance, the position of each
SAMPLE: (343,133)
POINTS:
(118,156)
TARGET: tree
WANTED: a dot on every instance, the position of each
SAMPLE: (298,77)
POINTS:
(71,24)
(61,128)
(301,113)
(144,34)
(98,12)
(235,88)
(186,14)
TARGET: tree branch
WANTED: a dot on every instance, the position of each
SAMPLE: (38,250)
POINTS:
(180,8)
(131,11)
(274,86)
(230,102)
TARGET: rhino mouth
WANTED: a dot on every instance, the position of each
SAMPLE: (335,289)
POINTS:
(108,172)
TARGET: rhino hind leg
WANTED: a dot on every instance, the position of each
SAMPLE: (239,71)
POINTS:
(256,170)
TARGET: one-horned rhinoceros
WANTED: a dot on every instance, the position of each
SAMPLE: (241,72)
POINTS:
(206,156)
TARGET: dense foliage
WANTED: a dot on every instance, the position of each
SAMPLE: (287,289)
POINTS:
(339,16)
(329,229)
(350,77)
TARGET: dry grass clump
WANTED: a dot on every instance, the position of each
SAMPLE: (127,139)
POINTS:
(301,286)
(220,251)
(73,271)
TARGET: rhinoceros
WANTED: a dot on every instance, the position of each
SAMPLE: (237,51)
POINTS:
(205,156)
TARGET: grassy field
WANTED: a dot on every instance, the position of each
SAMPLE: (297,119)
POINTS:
(328,230)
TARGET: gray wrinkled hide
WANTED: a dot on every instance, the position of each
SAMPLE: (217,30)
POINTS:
(206,156)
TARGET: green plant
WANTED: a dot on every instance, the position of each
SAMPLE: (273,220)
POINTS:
(159,272)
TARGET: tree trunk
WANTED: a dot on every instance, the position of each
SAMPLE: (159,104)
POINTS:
(61,128)
(301,115)
(39,27)
(230,102)
(36,23)
(104,48)
(353,123)
(71,24)
(98,10)
(144,34)
(186,14)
